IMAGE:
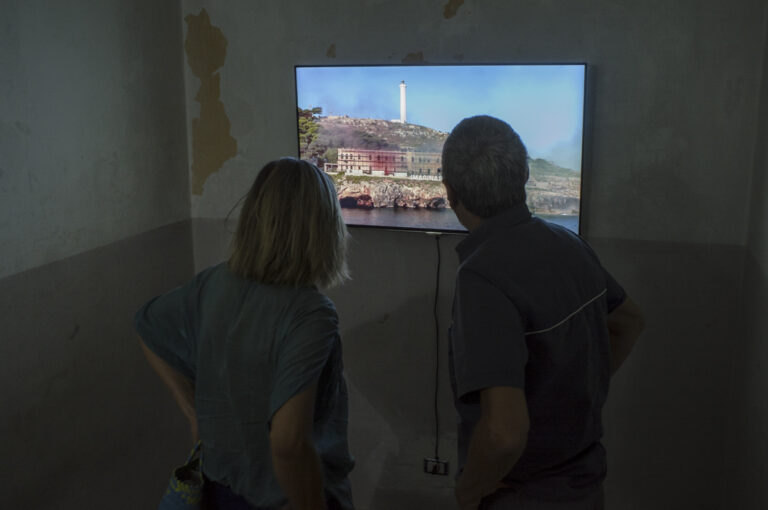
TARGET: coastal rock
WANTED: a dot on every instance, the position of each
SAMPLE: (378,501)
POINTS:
(356,201)
(359,192)
(554,204)
(384,192)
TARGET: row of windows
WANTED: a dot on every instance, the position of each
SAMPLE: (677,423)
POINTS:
(357,167)
(345,156)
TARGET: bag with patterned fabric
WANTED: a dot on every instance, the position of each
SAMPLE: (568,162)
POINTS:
(185,490)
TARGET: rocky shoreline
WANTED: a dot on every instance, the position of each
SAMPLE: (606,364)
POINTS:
(553,204)
(395,193)
(398,193)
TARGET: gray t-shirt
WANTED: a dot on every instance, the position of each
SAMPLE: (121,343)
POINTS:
(530,312)
(249,348)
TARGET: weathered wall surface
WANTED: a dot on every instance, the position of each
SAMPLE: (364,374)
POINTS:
(748,464)
(669,415)
(672,108)
(92,140)
(672,94)
(92,151)
(83,419)
(92,156)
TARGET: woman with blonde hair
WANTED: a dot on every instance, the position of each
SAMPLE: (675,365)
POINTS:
(250,350)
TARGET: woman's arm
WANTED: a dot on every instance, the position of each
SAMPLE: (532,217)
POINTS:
(182,389)
(294,458)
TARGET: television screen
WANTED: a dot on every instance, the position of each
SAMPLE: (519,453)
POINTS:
(378,131)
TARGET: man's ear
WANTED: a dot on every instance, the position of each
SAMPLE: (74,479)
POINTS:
(453,200)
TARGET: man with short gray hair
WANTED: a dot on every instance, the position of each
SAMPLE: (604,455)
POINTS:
(538,328)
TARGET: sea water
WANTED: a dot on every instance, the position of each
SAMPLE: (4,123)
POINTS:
(427,219)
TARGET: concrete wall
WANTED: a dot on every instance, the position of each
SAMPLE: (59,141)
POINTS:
(671,102)
(669,416)
(84,422)
(92,141)
(673,110)
(748,466)
(94,203)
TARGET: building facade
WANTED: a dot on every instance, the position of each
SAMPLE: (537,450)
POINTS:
(389,163)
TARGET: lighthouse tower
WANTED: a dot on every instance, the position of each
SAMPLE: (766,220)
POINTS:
(402,101)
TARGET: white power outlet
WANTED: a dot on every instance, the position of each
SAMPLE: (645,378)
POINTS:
(436,467)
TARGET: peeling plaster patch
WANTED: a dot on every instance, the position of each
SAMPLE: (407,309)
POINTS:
(413,57)
(212,145)
(451,8)
(331,53)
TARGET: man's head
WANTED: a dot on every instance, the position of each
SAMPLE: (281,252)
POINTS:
(485,166)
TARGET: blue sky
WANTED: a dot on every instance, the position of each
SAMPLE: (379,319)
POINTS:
(543,103)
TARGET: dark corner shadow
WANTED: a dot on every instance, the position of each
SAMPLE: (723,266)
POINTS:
(744,462)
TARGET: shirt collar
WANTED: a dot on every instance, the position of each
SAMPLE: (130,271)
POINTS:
(507,219)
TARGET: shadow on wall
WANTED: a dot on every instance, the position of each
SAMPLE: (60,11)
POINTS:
(747,443)
(670,408)
(390,369)
(81,409)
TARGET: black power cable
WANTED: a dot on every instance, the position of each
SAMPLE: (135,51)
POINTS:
(437,348)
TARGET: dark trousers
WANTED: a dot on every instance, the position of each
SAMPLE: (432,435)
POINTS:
(220,497)
(508,499)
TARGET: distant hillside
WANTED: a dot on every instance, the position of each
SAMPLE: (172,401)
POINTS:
(542,169)
(335,132)
(329,133)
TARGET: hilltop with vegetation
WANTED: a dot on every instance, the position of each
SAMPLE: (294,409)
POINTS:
(320,137)
(551,189)
(378,134)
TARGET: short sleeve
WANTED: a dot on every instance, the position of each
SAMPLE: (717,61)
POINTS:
(615,294)
(163,323)
(487,335)
(304,353)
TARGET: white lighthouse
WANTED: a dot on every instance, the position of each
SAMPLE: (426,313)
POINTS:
(402,101)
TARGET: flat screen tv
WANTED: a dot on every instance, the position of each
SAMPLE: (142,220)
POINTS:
(378,131)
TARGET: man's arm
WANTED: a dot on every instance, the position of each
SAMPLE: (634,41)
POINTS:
(497,442)
(625,323)
(182,389)
(294,458)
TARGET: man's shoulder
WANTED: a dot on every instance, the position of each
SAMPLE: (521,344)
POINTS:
(534,262)
(533,243)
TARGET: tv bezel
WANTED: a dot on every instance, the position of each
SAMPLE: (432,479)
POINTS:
(584,126)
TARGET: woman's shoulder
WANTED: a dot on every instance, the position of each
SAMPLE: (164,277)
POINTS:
(310,299)
(212,272)
(302,300)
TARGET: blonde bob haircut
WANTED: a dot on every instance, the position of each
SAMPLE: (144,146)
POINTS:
(290,230)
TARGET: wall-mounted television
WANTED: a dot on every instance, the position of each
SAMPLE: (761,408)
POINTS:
(378,131)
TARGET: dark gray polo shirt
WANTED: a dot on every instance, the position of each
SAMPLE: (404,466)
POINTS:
(529,311)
